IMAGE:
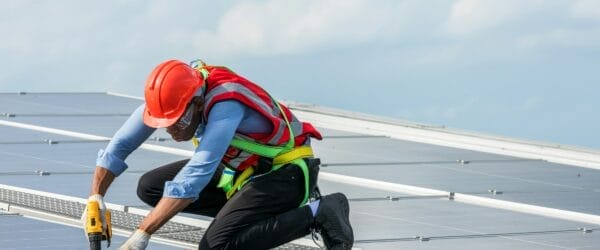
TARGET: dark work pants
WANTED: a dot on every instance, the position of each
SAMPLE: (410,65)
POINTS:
(262,215)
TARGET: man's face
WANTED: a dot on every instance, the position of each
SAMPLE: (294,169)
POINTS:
(184,128)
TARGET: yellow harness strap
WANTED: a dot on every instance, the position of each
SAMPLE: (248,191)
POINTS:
(240,180)
(292,155)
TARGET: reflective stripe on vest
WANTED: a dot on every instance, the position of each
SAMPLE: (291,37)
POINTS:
(263,108)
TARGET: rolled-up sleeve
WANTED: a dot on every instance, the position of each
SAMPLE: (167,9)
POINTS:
(223,120)
(111,162)
(127,139)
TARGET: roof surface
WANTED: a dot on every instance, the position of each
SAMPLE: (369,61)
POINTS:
(407,189)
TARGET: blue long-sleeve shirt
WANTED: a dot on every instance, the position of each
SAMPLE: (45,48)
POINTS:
(224,119)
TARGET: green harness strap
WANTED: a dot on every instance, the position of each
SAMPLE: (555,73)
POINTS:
(274,151)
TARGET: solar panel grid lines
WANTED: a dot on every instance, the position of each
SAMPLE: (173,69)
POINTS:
(434,209)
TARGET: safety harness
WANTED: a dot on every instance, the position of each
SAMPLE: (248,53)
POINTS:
(281,155)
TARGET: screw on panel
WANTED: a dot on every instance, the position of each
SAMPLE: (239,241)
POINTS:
(421,238)
(391,198)
(50,141)
(42,173)
(495,192)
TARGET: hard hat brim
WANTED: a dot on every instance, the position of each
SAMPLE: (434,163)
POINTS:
(156,122)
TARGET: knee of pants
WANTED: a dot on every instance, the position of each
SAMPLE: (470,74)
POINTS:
(203,244)
(147,190)
(212,240)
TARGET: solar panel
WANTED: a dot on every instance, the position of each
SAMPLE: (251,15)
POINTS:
(404,193)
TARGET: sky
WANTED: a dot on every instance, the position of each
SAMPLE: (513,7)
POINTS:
(521,69)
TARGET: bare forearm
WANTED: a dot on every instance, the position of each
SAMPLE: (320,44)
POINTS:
(163,212)
(101,181)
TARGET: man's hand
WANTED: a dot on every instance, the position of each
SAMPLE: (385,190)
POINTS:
(137,241)
(84,217)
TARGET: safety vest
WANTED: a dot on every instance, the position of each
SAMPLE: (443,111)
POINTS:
(286,142)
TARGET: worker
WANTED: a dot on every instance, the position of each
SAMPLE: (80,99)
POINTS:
(252,169)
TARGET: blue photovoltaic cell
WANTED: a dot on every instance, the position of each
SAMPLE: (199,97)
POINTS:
(379,223)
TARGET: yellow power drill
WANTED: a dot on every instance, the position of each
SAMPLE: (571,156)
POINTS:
(94,226)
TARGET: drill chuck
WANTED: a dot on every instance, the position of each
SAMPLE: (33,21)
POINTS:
(95,241)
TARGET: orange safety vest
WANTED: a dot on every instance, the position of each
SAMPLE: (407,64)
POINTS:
(223,84)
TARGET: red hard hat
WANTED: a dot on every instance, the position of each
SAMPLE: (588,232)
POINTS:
(169,89)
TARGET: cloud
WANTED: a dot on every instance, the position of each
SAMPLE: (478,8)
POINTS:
(560,38)
(586,9)
(74,45)
(297,26)
(469,16)
(120,43)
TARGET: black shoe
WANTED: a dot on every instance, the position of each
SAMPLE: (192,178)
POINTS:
(333,222)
